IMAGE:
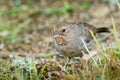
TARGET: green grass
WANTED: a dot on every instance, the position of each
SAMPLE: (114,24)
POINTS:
(26,69)
(118,4)
(10,24)
(101,68)
(12,30)
(104,68)
(85,5)
(15,11)
(117,40)
(16,18)
(67,7)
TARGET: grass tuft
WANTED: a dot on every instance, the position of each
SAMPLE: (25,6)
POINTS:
(117,40)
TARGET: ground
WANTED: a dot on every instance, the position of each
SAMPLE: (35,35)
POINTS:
(26,34)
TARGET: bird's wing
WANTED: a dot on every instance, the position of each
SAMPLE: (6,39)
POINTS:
(89,27)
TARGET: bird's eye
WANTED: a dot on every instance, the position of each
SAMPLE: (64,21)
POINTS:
(63,30)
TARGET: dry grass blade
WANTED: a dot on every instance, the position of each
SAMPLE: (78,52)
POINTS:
(118,4)
(89,54)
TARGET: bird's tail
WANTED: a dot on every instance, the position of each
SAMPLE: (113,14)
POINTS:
(102,29)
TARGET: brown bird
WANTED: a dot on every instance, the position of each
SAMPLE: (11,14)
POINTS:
(69,37)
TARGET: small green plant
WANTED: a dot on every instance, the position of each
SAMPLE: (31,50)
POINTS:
(28,66)
(85,5)
(67,7)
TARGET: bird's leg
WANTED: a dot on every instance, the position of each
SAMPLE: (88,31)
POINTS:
(85,59)
(64,67)
(83,53)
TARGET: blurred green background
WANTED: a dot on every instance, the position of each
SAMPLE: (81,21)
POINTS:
(27,25)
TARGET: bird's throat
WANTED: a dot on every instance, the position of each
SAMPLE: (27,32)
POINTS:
(59,39)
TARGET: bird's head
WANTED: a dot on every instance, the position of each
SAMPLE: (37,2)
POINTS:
(61,33)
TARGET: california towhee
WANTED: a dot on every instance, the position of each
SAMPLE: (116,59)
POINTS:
(69,37)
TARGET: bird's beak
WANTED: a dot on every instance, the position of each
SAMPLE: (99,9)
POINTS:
(56,34)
